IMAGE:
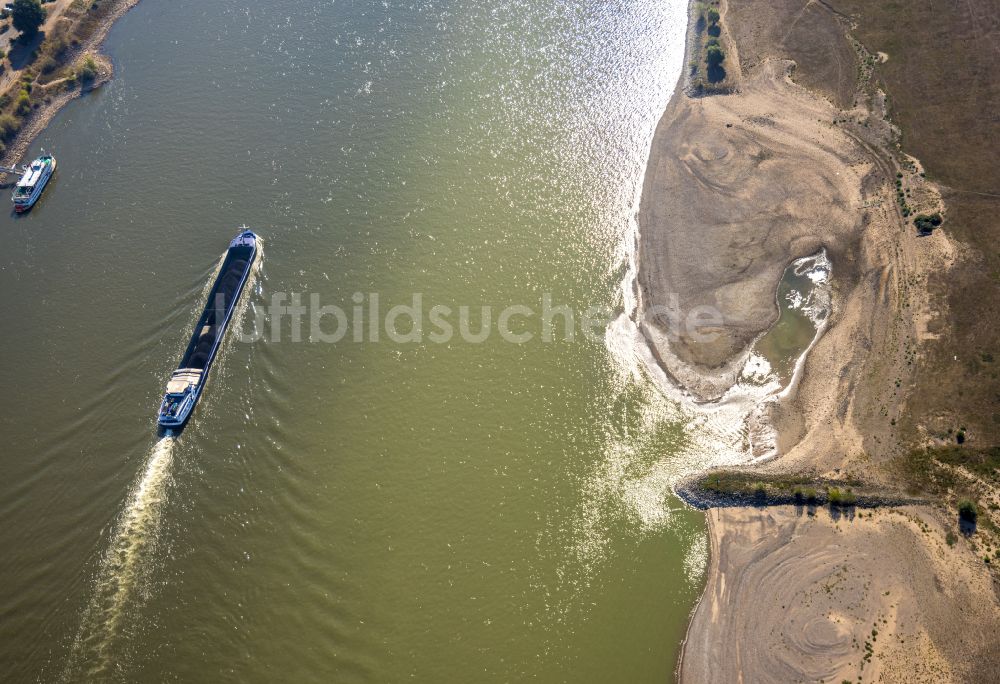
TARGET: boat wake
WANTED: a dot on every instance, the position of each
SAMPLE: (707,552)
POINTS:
(123,567)
(122,580)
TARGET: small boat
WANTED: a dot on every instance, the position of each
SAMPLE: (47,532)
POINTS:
(188,381)
(30,187)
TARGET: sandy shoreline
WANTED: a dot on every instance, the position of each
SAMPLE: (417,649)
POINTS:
(739,185)
(40,118)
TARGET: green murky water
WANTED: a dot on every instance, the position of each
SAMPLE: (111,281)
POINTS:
(804,304)
(372,511)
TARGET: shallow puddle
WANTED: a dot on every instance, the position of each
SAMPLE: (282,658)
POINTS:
(804,301)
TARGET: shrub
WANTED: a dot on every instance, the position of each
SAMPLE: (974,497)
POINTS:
(714,55)
(58,47)
(27,16)
(9,126)
(967,510)
(925,223)
(713,16)
(839,498)
(810,495)
(88,71)
(23,103)
(950,538)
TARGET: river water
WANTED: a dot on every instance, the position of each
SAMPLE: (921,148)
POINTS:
(344,511)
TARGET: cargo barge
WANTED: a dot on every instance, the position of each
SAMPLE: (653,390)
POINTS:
(188,381)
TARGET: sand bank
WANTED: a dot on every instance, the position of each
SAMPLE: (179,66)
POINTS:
(738,186)
(793,597)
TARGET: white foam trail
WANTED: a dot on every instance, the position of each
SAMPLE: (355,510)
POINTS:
(124,565)
(122,568)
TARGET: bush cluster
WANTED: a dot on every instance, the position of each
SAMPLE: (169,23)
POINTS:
(841,499)
(926,223)
(967,510)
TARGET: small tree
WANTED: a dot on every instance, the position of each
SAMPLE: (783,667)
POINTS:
(9,125)
(926,223)
(27,16)
(88,70)
(967,510)
(23,103)
(713,16)
(714,55)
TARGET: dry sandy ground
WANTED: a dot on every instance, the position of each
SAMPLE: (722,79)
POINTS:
(740,185)
(793,597)
(737,187)
(53,12)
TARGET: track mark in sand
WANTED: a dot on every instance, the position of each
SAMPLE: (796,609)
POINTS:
(123,566)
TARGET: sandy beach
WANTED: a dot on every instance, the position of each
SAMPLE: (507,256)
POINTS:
(799,154)
(877,596)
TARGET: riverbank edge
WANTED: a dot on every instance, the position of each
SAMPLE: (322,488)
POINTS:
(39,119)
(760,490)
(692,45)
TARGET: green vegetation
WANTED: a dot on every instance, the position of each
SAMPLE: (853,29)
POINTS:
(714,55)
(778,488)
(88,71)
(23,103)
(950,538)
(841,499)
(740,483)
(27,16)
(708,21)
(901,196)
(957,475)
(967,510)
(926,223)
(48,69)
(9,126)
